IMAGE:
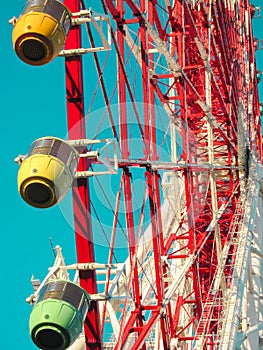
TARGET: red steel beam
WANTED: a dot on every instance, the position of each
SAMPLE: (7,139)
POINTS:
(80,189)
(190,25)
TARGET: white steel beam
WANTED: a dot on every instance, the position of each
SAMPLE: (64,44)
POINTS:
(234,298)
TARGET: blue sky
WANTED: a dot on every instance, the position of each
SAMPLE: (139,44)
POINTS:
(32,105)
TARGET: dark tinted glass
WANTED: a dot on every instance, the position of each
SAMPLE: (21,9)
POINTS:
(34,5)
(44,143)
(73,295)
(61,150)
(56,148)
(38,193)
(67,23)
(49,339)
(55,9)
(54,290)
(66,291)
(41,146)
(73,163)
(42,292)
(33,50)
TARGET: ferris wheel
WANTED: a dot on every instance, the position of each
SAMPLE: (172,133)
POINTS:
(165,174)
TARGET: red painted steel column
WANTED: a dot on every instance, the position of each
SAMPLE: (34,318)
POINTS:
(122,86)
(80,190)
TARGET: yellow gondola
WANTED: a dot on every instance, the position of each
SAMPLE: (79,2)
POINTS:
(40,32)
(47,172)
